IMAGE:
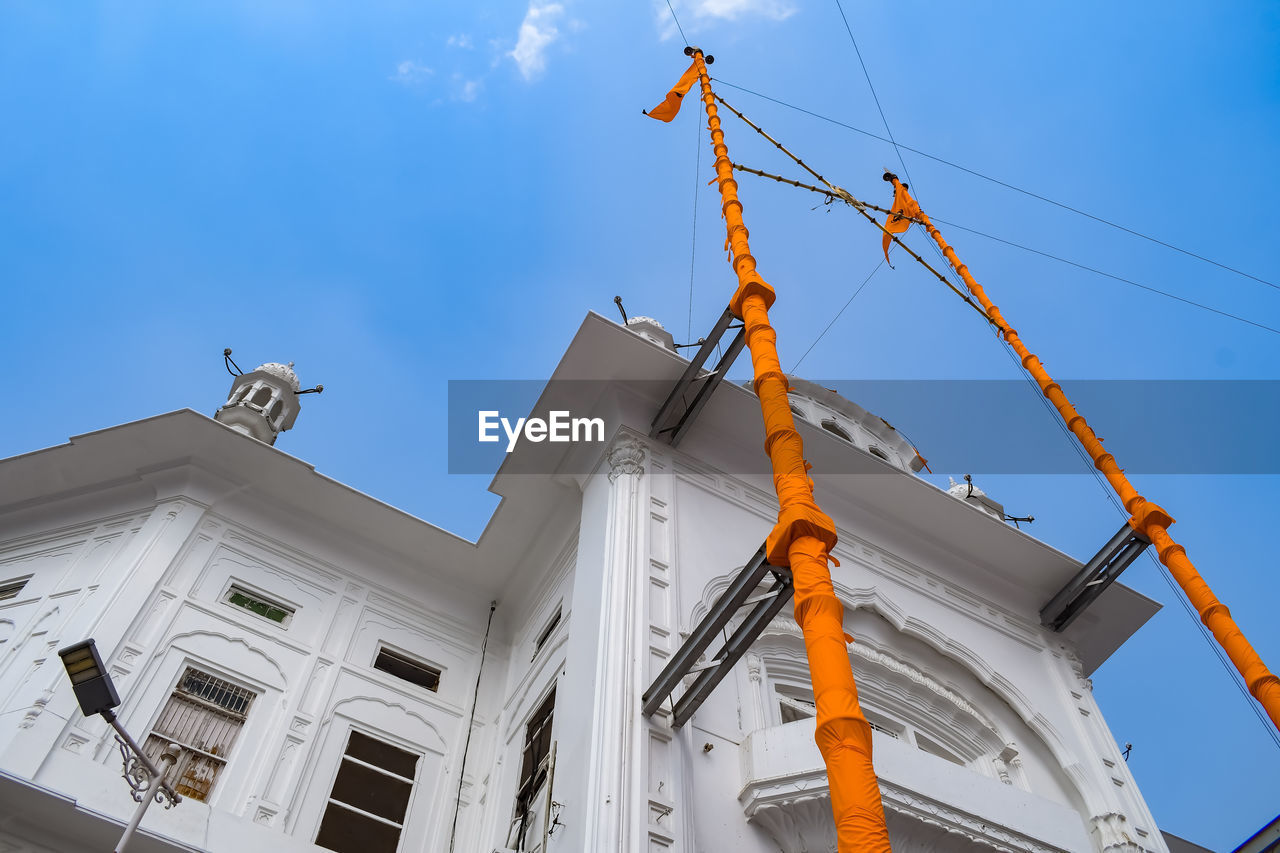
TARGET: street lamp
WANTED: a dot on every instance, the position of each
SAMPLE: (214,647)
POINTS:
(97,695)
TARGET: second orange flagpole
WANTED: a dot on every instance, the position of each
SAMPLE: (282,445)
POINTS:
(1146,517)
(802,538)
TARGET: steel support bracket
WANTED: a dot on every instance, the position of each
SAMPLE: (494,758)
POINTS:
(678,413)
(718,665)
(1090,582)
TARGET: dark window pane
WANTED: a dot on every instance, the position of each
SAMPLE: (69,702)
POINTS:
(371,791)
(537,745)
(410,670)
(384,755)
(547,632)
(347,832)
(12,588)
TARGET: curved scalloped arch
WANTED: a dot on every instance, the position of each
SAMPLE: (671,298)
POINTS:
(875,600)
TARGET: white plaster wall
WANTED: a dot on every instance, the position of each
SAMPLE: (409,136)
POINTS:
(962,641)
(313,677)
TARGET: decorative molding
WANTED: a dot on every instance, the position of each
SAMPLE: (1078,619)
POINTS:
(402,708)
(173,641)
(626,456)
(74,742)
(1111,832)
(37,708)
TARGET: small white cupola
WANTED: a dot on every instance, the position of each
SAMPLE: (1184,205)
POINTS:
(263,402)
(651,330)
(975,497)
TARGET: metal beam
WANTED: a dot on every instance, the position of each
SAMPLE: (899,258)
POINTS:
(734,649)
(1091,581)
(696,643)
(673,420)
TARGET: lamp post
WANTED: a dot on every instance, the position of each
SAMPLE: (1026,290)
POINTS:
(97,695)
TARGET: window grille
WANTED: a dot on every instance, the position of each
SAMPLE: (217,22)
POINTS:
(10,589)
(535,766)
(370,797)
(238,596)
(203,716)
(408,669)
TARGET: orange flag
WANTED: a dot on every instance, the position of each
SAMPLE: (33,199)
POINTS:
(667,110)
(904,210)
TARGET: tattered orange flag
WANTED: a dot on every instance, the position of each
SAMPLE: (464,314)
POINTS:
(904,209)
(667,110)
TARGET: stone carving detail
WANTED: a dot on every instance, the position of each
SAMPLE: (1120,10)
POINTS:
(74,742)
(753,668)
(1006,759)
(1111,832)
(625,457)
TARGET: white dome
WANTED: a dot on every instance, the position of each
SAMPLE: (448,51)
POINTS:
(283,371)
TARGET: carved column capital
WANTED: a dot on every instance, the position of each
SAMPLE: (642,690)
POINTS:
(626,456)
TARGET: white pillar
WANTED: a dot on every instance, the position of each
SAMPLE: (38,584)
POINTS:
(606,737)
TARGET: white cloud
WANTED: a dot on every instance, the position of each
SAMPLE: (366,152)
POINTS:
(731,10)
(537,32)
(466,90)
(462,40)
(410,73)
(695,12)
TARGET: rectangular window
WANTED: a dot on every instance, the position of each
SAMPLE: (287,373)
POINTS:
(405,667)
(535,764)
(547,632)
(203,716)
(10,589)
(238,596)
(792,709)
(370,797)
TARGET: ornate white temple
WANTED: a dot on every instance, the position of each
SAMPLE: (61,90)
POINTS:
(317,654)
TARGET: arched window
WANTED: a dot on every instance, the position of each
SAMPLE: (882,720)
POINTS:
(835,429)
(798,412)
(878,453)
(261,397)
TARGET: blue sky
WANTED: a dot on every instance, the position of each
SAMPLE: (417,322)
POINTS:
(394,195)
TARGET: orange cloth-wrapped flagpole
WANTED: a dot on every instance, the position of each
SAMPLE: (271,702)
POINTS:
(1147,518)
(802,538)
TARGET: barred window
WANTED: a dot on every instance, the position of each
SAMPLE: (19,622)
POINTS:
(203,716)
(370,797)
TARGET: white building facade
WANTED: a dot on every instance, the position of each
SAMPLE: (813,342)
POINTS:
(338,679)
